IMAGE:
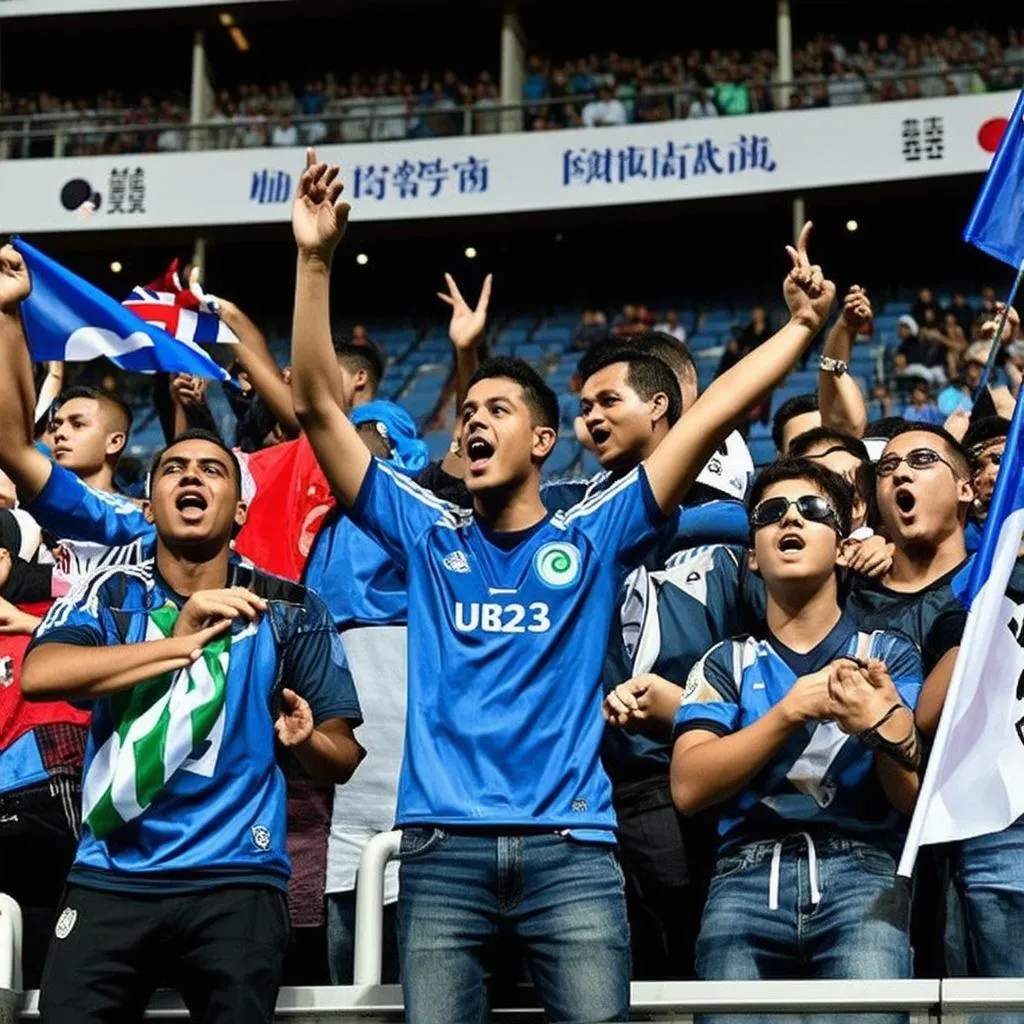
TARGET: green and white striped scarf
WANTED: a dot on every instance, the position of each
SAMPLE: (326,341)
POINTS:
(159,724)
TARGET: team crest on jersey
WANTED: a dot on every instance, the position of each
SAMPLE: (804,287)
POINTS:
(557,564)
(66,921)
(456,562)
(261,837)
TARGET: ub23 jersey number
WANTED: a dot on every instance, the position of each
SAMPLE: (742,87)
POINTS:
(502,618)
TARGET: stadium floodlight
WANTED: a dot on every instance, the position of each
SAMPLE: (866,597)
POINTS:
(226,19)
(115,267)
(362,259)
(470,253)
(852,225)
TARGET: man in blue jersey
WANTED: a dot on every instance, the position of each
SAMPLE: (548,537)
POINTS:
(806,739)
(192,665)
(506,812)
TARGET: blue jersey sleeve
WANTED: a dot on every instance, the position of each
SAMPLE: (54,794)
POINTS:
(395,511)
(712,522)
(903,662)
(81,617)
(72,510)
(711,698)
(622,520)
(315,666)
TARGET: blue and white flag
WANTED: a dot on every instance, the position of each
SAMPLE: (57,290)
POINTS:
(973,785)
(70,320)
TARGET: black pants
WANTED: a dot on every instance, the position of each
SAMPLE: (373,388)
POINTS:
(222,949)
(666,860)
(37,846)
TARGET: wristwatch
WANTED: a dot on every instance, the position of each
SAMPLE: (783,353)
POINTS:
(830,365)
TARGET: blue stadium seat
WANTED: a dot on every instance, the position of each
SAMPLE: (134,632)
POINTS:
(514,335)
(898,307)
(704,340)
(531,352)
(553,337)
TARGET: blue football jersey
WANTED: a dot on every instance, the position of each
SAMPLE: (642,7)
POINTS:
(667,620)
(821,777)
(221,815)
(506,642)
(94,528)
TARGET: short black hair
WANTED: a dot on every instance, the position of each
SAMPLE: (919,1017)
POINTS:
(103,397)
(541,400)
(362,357)
(194,434)
(646,374)
(795,406)
(953,446)
(669,349)
(887,427)
(984,430)
(832,485)
(833,438)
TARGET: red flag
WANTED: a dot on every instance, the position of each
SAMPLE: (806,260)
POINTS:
(291,501)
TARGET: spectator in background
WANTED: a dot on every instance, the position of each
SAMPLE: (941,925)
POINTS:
(731,93)
(921,408)
(963,313)
(285,133)
(605,110)
(924,302)
(628,322)
(794,417)
(592,330)
(915,356)
(671,325)
(756,332)
(845,87)
(702,106)
(487,119)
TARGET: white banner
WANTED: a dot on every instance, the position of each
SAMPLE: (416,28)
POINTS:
(489,174)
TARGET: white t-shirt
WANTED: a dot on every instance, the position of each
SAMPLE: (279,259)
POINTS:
(282,136)
(705,109)
(365,805)
(678,332)
(604,112)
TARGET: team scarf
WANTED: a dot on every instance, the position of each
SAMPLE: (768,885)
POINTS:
(158,725)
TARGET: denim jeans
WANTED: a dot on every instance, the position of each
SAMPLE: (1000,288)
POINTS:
(839,912)
(985,919)
(463,893)
(341,939)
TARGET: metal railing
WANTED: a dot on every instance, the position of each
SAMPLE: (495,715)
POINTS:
(371,119)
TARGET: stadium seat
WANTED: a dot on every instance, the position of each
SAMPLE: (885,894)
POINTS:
(762,450)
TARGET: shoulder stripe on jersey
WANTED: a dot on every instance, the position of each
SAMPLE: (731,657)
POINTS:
(85,593)
(449,514)
(595,501)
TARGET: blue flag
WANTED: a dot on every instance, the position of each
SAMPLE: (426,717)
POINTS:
(69,320)
(997,220)
(972,786)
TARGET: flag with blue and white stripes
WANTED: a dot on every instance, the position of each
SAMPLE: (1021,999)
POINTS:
(67,319)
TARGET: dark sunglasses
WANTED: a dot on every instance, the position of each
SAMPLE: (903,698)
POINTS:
(919,458)
(980,451)
(812,507)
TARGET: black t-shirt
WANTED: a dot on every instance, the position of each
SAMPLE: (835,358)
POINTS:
(932,617)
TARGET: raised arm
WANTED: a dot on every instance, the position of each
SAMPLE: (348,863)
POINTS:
(840,400)
(52,385)
(254,356)
(319,219)
(466,330)
(675,463)
(19,458)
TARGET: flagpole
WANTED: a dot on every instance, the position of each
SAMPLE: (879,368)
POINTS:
(991,361)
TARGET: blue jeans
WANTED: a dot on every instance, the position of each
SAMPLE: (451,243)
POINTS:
(848,918)
(985,912)
(341,939)
(562,902)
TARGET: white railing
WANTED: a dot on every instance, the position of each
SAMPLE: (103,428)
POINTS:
(369,932)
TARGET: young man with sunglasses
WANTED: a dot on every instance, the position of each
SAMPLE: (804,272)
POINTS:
(505,809)
(806,740)
(984,443)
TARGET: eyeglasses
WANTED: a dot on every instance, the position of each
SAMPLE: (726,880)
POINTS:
(981,454)
(812,507)
(919,458)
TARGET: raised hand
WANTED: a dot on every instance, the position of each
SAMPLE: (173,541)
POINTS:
(860,696)
(294,724)
(870,557)
(15,283)
(808,698)
(856,308)
(466,326)
(187,389)
(808,293)
(319,217)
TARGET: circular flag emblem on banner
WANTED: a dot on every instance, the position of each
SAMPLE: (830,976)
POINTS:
(557,565)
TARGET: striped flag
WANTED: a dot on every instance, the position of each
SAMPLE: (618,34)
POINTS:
(159,726)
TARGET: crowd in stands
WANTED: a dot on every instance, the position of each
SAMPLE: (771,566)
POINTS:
(732,677)
(576,92)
